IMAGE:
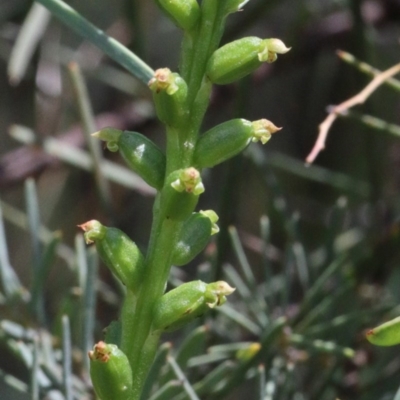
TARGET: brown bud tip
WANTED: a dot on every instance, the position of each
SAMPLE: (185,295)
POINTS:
(100,352)
(93,230)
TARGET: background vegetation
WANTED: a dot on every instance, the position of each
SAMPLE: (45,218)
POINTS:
(318,246)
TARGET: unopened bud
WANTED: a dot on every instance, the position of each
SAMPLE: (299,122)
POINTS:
(140,153)
(194,236)
(230,138)
(180,193)
(188,301)
(169,95)
(241,57)
(117,251)
(110,372)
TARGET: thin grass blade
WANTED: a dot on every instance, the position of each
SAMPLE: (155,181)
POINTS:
(88,127)
(34,389)
(155,371)
(110,46)
(182,377)
(67,358)
(29,36)
(9,279)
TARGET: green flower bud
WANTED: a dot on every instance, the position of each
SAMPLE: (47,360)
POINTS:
(169,94)
(184,13)
(181,193)
(230,138)
(241,57)
(188,301)
(194,236)
(139,152)
(387,334)
(110,372)
(117,251)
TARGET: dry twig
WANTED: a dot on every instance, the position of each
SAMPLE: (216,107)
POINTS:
(359,98)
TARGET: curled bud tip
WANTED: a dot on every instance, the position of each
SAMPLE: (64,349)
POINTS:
(190,181)
(224,288)
(217,292)
(270,50)
(277,46)
(163,79)
(262,130)
(112,146)
(93,230)
(100,352)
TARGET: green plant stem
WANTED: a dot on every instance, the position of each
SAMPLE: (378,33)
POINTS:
(202,48)
(204,42)
(174,154)
(185,63)
(140,344)
(110,46)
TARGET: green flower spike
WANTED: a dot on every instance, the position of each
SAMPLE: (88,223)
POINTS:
(237,59)
(110,372)
(187,302)
(117,251)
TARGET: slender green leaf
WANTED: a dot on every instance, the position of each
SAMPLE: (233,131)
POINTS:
(110,46)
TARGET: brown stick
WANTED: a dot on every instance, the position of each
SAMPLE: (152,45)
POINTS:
(359,98)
